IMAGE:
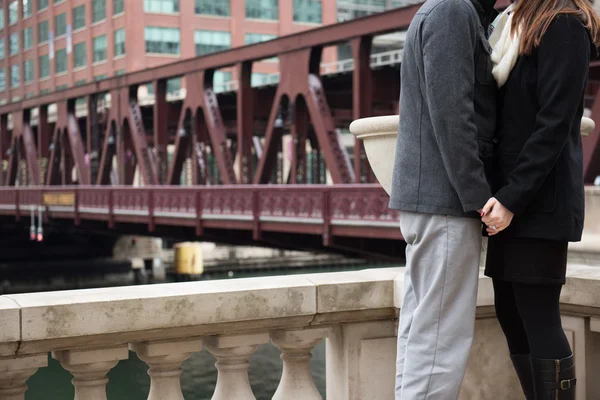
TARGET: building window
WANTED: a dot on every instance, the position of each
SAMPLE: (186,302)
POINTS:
(2,53)
(28,75)
(27,38)
(211,41)
(79,17)
(251,38)
(60,25)
(44,91)
(80,83)
(161,6)
(262,9)
(120,72)
(79,55)
(27,8)
(100,77)
(258,79)
(60,61)
(162,40)
(14,44)
(2,80)
(119,42)
(350,9)
(29,95)
(118,7)
(307,11)
(13,12)
(44,66)
(173,85)
(2,18)
(57,1)
(220,78)
(99,44)
(15,75)
(213,7)
(98,10)
(43,32)
(62,87)
(42,4)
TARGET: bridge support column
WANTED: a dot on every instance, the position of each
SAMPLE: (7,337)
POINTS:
(89,369)
(14,372)
(165,359)
(233,354)
(362,98)
(296,347)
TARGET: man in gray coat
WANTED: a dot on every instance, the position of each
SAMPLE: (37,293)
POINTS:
(445,142)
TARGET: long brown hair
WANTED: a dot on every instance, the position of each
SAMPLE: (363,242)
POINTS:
(535,16)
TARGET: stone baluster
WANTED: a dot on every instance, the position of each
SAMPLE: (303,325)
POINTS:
(233,354)
(164,359)
(14,372)
(89,368)
(296,347)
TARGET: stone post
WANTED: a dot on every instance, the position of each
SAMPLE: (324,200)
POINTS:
(361,361)
(165,359)
(14,372)
(296,346)
(89,368)
(233,354)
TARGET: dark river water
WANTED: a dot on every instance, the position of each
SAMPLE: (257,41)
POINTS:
(129,379)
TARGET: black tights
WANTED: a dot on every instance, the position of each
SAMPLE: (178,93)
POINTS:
(529,315)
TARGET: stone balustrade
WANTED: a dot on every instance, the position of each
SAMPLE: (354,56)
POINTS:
(90,331)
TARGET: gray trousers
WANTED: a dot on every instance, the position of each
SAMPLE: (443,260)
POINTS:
(437,318)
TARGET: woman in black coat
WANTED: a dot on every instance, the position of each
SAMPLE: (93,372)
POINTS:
(538,206)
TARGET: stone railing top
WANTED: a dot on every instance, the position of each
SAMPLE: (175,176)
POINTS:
(240,304)
(39,322)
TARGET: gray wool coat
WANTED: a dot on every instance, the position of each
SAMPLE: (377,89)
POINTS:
(447,112)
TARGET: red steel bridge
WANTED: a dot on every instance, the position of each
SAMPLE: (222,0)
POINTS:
(111,169)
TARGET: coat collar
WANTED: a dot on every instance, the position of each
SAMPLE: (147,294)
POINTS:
(486,11)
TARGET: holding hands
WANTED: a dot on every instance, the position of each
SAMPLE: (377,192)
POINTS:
(495,216)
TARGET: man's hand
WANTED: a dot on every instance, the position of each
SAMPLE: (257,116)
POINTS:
(496,216)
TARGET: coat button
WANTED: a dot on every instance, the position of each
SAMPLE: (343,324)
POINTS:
(495,140)
(484,152)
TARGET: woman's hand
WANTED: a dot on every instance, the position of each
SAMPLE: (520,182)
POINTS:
(496,216)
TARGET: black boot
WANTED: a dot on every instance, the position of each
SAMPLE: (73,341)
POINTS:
(522,364)
(554,379)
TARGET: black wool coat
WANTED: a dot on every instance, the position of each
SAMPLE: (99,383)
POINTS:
(538,160)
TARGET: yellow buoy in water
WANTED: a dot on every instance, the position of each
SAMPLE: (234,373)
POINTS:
(188,259)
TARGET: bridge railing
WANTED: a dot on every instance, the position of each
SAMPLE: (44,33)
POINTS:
(90,331)
(315,207)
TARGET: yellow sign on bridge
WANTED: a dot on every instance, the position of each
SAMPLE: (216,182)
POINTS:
(59,199)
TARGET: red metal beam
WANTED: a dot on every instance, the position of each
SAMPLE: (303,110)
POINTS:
(245,123)
(161,125)
(362,97)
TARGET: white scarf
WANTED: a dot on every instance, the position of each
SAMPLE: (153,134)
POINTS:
(505,46)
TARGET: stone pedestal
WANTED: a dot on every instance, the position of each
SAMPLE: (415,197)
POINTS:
(164,359)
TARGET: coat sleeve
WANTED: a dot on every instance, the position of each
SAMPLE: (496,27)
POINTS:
(563,63)
(449,37)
